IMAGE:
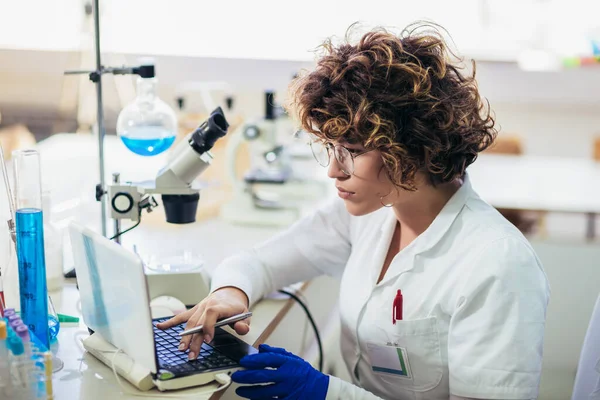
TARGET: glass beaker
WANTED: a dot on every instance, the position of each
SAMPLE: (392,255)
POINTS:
(185,261)
(30,243)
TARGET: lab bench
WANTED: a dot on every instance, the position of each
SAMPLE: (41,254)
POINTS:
(278,321)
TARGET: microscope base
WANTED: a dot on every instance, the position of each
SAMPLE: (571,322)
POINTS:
(242,211)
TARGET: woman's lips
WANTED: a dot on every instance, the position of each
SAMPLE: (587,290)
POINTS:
(343,193)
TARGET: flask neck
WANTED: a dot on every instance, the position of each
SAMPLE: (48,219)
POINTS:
(146,89)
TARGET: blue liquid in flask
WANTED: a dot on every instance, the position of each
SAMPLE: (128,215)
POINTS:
(32,272)
(53,326)
(148,141)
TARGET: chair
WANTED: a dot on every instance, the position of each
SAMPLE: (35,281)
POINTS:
(525,221)
(15,137)
(507,144)
(587,379)
(597,149)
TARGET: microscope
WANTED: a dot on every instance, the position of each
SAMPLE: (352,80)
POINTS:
(175,182)
(180,196)
(268,193)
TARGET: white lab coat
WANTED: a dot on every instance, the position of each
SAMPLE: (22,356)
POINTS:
(587,380)
(475,298)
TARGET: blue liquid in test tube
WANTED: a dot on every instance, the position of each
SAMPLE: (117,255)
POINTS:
(30,244)
(32,272)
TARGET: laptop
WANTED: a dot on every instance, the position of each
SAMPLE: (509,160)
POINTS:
(116,306)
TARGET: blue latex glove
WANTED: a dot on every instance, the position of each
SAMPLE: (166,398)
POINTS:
(290,377)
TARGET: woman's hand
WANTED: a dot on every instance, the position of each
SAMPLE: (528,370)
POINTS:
(277,372)
(222,303)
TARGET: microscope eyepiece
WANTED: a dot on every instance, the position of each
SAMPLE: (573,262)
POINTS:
(215,127)
(187,165)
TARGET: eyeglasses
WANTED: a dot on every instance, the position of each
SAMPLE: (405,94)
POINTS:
(344,156)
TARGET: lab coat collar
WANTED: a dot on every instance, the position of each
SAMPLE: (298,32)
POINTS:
(442,223)
(436,231)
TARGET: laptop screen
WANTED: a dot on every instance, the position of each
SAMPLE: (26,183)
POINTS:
(114,294)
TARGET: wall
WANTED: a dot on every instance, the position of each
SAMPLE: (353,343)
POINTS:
(574,277)
(555,111)
(552,130)
(496,29)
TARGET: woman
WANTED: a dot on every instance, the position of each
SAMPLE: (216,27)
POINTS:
(441,297)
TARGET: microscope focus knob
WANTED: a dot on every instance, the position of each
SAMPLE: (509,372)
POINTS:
(122,202)
(99,192)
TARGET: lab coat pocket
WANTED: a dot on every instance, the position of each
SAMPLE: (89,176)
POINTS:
(419,341)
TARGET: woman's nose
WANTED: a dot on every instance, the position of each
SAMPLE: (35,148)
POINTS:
(334,171)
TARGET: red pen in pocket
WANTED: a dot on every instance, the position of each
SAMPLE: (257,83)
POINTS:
(397,308)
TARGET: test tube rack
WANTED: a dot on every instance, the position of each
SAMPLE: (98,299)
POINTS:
(26,372)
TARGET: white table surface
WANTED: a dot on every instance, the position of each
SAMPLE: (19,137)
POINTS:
(525,182)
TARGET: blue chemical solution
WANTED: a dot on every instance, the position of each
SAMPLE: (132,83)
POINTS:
(53,326)
(32,272)
(148,141)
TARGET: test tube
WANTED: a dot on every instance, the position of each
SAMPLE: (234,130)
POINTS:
(13,320)
(26,365)
(14,326)
(15,345)
(30,243)
(5,377)
(23,333)
(2,305)
(48,372)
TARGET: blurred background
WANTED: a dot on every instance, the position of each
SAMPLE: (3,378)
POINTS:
(538,65)
(521,47)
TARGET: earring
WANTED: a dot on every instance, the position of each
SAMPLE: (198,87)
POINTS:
(381,201)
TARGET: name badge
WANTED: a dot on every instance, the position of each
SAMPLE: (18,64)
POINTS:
(389,359)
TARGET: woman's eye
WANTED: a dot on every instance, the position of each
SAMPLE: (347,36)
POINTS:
(354,151)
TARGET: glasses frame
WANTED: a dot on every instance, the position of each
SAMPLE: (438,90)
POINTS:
(336,151)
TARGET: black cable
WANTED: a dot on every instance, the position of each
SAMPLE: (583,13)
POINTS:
(72,274)
(126,230)
(312,322)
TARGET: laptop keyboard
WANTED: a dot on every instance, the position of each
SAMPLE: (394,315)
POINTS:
(175,361)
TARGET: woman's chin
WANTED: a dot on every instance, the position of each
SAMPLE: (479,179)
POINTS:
(358,209)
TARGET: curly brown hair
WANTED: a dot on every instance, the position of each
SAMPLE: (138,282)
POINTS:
(400,94)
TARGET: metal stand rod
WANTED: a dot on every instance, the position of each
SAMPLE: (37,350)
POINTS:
(100,112)
(116,178)
(591,226)
(145,71)
(11,199)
